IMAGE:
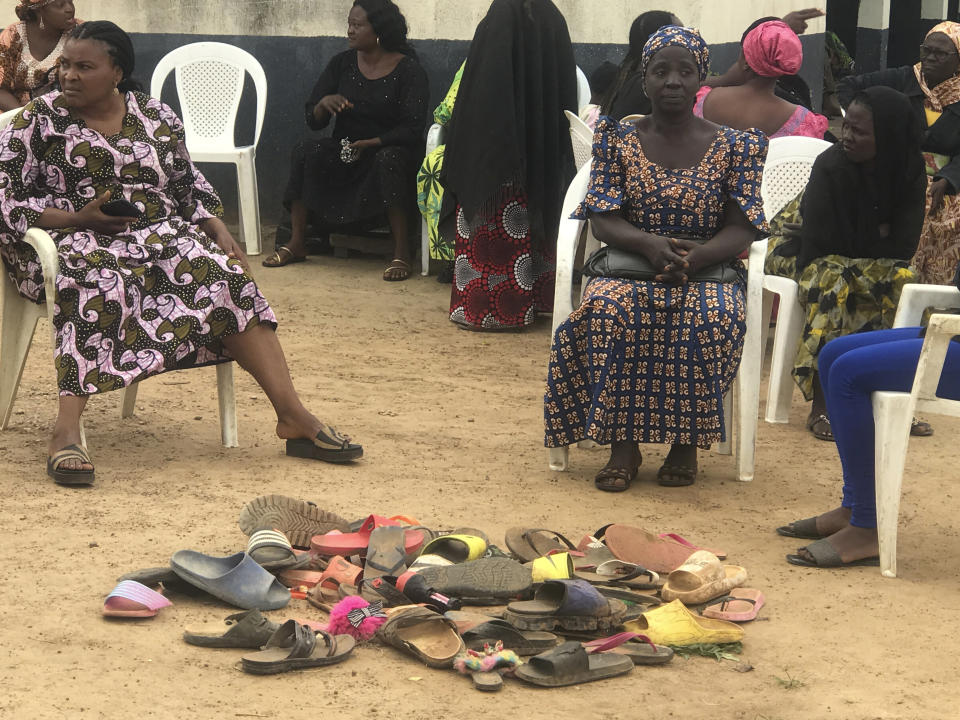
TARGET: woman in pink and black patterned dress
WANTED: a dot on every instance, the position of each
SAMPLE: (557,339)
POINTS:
(162,288)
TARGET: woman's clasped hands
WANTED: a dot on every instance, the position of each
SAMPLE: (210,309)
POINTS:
(670,256)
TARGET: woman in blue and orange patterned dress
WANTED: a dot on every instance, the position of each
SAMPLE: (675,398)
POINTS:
(648,361)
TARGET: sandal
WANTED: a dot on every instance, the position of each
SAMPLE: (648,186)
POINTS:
(329,446)
(670,475)
(397,270)
(278,260)
(920,428)
(805,529)
(294,646)
(819,427)
(825,555)
(609,479)
(70,476)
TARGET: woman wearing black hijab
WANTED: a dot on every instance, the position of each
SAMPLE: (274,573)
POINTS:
(862,214)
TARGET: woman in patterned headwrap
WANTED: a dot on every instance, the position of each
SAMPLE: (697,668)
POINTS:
(30,49)
(933,87)
(648,361)
(163,286)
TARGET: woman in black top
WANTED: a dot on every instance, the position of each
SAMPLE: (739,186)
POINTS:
(377,91)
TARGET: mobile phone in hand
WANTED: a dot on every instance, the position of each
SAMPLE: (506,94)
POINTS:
(121,208)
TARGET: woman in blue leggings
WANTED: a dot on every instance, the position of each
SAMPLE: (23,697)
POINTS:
(851,368)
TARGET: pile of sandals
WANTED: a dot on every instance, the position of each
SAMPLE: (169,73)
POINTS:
(544,610)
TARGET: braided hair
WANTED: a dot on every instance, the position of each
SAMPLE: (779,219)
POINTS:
(119,48)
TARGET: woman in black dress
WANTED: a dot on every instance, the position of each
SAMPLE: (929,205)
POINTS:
(377,91)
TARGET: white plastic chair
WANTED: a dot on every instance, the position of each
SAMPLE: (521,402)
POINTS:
(19,323)
(747,383)
(209,78)
(581,137)
(583,89)
(436,136)
(632,118)
(785,174)
(893,413)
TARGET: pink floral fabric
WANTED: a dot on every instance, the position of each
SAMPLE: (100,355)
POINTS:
(159,297)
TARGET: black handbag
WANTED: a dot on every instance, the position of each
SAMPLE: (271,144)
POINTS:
(612,262)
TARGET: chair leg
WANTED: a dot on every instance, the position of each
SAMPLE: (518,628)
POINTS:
(726,447)
(128,400)
(228,405)
(19,324)
(558,458)
(249,205)
(785,341)
(424,248)
(892,415)
(748,411)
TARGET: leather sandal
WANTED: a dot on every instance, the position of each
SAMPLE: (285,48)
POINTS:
(819,427)
(328,445)
(397,270)
(282,256)
(68,476)
(605,479)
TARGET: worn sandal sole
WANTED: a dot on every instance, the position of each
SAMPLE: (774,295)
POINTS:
(487,578)
(297,519)
(546,621)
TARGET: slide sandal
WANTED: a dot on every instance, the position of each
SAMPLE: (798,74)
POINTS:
(428,636)
(571,664)
(741,605)
(236,579)
(130,599)
(571,604)
(355,543)
(521,642)
(248,629)
(295,647)
(272,551)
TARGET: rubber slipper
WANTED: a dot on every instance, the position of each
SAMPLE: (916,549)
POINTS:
(328,446)
(248,629)
(272,551)
(402,265)
(556,566)
(130,599)
(67,476)
(385,553)
(642,547)
(569,604)
(294,647)
(486,580)
(686,543)
(571,664)
(355,543)
(673,624)
(521,642)
(673,475)
(617,572)
(456,548)
(702,578)
(741,605)
(235,579)
(635,646)
(920,428)
(805,529)
(530,543)
(278,260)
(424,634)
(826,556)
(299,520)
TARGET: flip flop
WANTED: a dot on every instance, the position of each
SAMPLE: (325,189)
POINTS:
(355,543)
(397,264)
(299,520)
(130,599)
(67,476)
(428,636)
(741,605)
(569,604)
(331,447)
(385,553)
(618,572)
(521,642)
(571,664)
(278,260)
(635,646)
(530,543)
(805,529)
(294,647)
(639,546)
(248,629)
(235,579)
(825,555)
(721,555)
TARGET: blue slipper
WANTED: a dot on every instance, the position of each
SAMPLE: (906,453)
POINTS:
(235,579)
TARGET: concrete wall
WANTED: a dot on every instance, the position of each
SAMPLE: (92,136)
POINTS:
(294,39)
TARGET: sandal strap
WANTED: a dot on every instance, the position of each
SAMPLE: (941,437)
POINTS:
(727,599)
(268,538)
(70,452)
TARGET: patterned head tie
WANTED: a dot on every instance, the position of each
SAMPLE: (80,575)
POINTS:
(23,6)
(374,610)
(674,35)
(950,29)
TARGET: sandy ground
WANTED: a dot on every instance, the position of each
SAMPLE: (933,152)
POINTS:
(451,423)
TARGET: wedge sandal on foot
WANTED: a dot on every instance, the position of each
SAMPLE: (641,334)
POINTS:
(66,476)
(328,445)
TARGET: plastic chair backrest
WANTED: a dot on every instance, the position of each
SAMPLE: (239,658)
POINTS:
(631,118)
(787,170)
(583,89)
(7,117)
(582,139)
(209,78)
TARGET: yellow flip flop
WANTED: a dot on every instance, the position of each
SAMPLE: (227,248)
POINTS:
(456,548)
(558,566)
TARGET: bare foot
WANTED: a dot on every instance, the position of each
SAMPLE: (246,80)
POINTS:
(62,437)
(851,543)
(833,521)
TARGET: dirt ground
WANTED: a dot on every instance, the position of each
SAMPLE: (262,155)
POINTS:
(451,425)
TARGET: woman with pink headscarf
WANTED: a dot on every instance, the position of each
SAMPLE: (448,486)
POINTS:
(770,51)
(30,49)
